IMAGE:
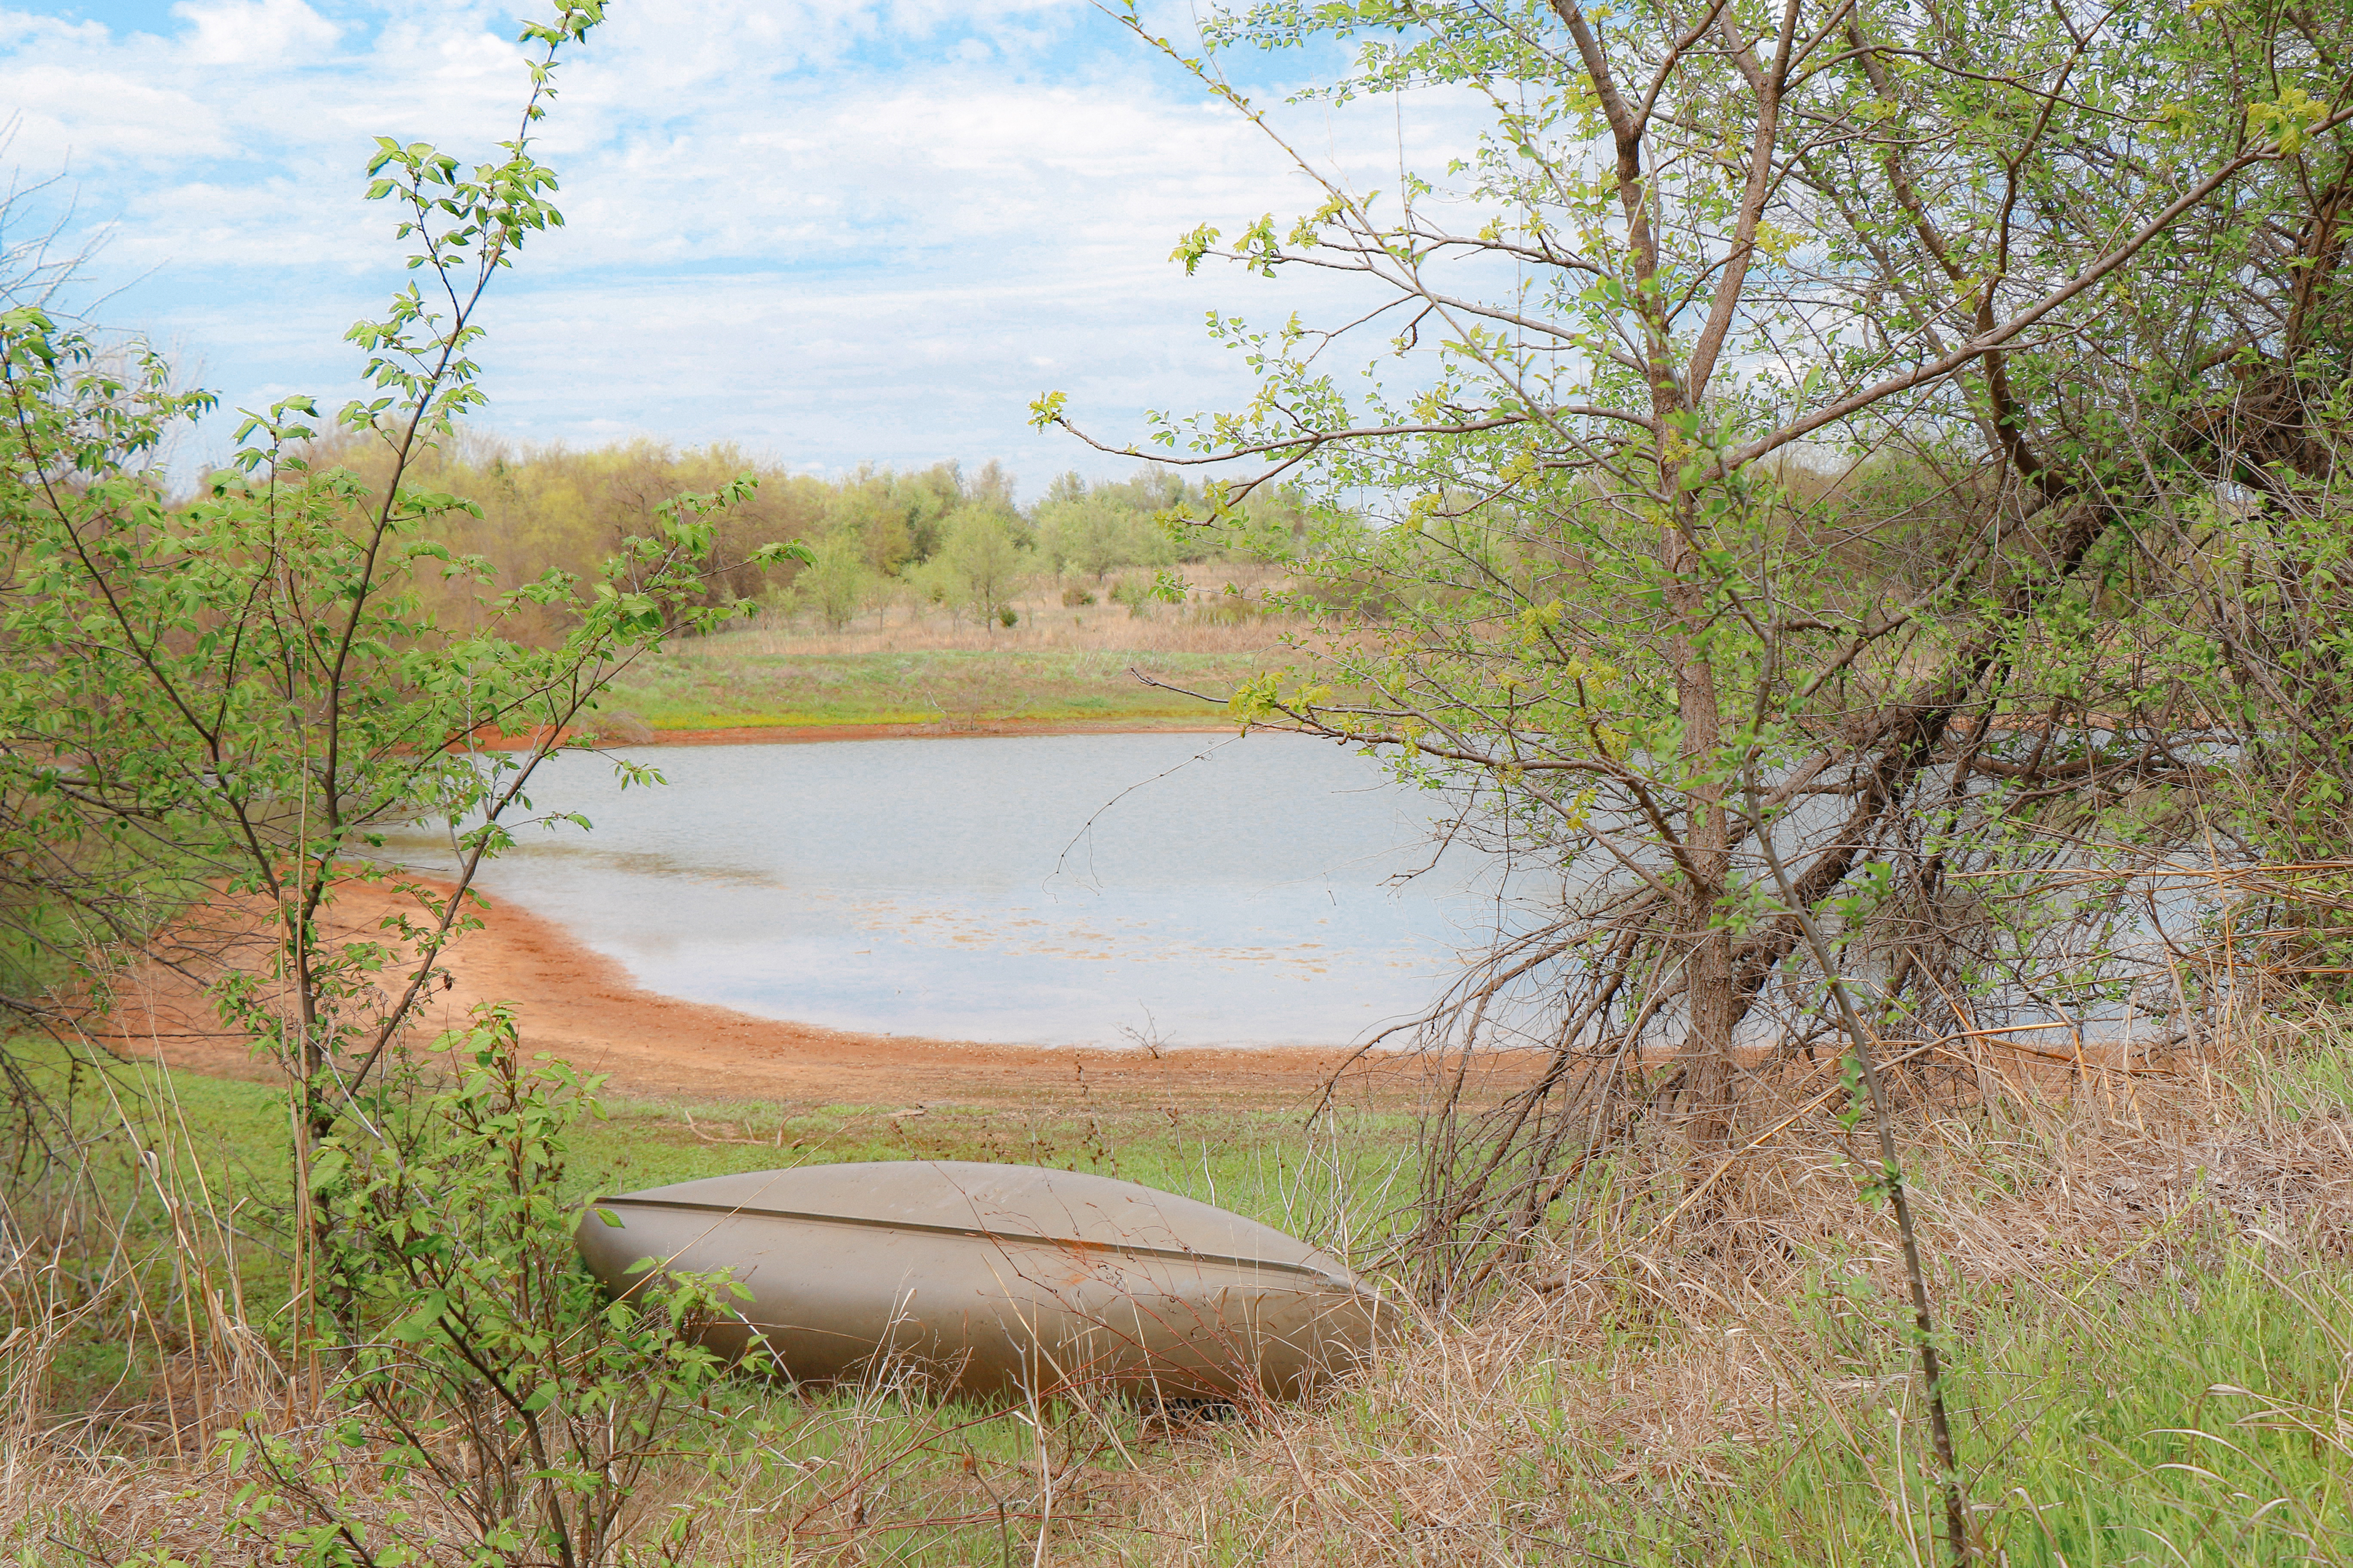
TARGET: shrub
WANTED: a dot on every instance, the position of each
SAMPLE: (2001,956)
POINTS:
(498,1407)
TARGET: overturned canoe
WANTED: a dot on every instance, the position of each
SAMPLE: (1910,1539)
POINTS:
(987,1279)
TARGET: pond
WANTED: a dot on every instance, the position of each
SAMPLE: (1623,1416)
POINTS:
(1184,889)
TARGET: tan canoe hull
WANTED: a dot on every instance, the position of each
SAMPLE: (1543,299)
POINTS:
(995,1281)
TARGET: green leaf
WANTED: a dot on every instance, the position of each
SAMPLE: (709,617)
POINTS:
(420,1323)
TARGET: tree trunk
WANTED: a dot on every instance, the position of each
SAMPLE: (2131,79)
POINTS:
(1714,1002)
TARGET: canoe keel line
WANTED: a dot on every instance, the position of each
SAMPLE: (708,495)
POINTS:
(986,1280)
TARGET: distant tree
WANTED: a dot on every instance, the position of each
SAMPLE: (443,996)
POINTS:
(987,564)
(1100,527)
(554,506)
(925,499)
(935,583)
(991,486)
(866,510)
(1086,535)
(837,583)
(1151,489)
(1275,520)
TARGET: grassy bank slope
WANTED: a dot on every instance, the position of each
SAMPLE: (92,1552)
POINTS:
(2145,1284)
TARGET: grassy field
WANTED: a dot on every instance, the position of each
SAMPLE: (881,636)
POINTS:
(718,687)
(2149,1311)
(906,664)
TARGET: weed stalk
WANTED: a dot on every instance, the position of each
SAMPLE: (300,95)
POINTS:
(1940,1430)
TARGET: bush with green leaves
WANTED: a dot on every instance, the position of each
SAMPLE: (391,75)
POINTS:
(493,1404)
(214,709)
(211,706)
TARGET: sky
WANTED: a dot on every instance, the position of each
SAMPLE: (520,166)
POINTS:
(828,231)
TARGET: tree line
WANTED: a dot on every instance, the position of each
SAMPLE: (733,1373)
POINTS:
(877,537)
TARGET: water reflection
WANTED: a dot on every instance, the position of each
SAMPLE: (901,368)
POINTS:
(1058,889)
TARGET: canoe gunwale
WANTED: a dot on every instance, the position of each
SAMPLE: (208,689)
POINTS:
(1126,1249)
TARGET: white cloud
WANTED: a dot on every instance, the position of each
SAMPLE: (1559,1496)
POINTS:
(22,29)
(833,230)
(75,113)
(254,32)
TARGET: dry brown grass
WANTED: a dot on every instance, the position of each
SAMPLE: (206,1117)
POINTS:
(1634,1366)
(1661,1350)
(1211,621)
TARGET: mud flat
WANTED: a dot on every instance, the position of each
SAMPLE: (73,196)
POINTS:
(578,1005)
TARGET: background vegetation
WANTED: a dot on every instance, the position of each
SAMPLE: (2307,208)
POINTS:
(909,576)
(880,541)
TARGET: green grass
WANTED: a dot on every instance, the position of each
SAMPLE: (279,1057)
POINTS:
(1261,1164)
(1322,1185)
(224,1142)
(2306,1083)
(2094,1439)
(702,689)
(2087,1438)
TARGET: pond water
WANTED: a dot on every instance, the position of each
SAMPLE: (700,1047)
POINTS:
(1186,890)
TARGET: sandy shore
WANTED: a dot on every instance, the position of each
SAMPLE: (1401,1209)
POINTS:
(576,1003)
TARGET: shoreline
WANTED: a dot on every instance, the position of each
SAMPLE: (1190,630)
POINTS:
(977,730)
(575,1003)
(793,733)
(808,734)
